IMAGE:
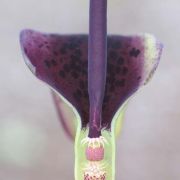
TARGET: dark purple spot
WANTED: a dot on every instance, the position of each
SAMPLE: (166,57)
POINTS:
(78,68)
(85,93)
(76,96)
(110,68)
(124,70)
(74,65)
(84,71)
(47,63)
(111,79)
(47,47)
(112,88)
(134,52)
(25,50)
(106,99)
(78,52)
(120,83)
(72,45)
(79,93)
(82,84)
(113,54)
(65,46)
(74,75)
(116,45)
(63,50)
(62,74)
(54,63)
(55,53)
(40,45)
(74,58)
(120,61)
(66,67)
(61,60)
(118,70)
(85,64)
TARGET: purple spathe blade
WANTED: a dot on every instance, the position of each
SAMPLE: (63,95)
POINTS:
(61,62)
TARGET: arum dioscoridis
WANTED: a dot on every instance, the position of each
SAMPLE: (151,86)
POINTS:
(95,75)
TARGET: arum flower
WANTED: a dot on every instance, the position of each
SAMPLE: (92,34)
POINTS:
(95,77)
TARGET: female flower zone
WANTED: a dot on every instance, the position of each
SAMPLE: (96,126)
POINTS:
(94,75)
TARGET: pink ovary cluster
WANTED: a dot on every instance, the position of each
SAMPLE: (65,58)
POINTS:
(88,177)
(95,154)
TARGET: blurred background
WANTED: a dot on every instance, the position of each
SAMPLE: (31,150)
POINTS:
(33,145)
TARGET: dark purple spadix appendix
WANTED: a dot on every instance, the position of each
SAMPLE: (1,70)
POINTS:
(97,61)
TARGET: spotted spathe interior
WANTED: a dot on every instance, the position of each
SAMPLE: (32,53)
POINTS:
(62,62)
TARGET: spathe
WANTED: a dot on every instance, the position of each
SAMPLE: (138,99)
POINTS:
(61,62)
